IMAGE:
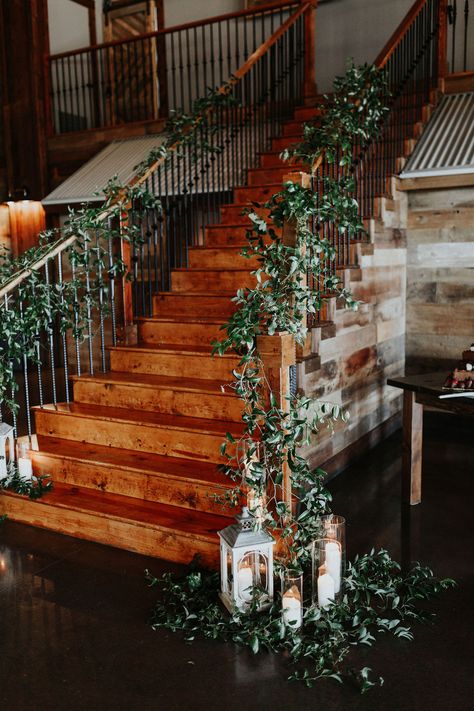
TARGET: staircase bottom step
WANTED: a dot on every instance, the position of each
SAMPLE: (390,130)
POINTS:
(158,530)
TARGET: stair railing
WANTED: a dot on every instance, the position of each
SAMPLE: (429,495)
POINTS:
(143,78)
(192,180)
(460,36)
(414,62)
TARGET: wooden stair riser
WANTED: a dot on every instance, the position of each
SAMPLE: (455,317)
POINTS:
(137,436)
(171,364)
(146,539)
(176,305)
(282,142)
(191,403)
(154,333)
(272,160)
(307,113)
(267,176)
(232,214)
(158,487)
(221,237)
(224,258)
(218,280)
(258,193)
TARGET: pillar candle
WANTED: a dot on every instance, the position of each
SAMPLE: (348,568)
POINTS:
(292,608)
(25,467)
(333,563)
(245,582)
(326,591)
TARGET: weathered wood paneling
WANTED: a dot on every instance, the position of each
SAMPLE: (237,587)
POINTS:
(440,275)
(367,348)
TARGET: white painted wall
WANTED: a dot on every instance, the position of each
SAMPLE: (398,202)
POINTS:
(179,11)
(353,29)
(345,28)
(69,25)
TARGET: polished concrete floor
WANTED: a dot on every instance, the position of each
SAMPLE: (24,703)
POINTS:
(73,631)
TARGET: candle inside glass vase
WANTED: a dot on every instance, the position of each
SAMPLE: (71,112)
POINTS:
(292,601)
(245,582)
(326,588)
(25,465)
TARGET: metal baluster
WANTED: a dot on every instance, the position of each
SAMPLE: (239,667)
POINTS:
(466,24)
(63,333)
(51,337)
(26,385)
(113,314)
(101,300)
(77,347)
(88,305)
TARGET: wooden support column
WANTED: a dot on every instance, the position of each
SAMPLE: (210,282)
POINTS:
(127,333)
(310,87)
(278,354)
(412,448)
(289,239)
(442,58)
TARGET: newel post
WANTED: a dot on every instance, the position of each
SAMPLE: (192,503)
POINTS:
(310,88)
(278,352)
(442,48)
(127,333)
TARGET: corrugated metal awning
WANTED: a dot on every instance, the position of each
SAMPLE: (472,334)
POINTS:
(446,146)
(117,159)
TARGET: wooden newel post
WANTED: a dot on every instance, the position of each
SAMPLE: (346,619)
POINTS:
(310,87)
(127,333)
(278,353)
(442,58)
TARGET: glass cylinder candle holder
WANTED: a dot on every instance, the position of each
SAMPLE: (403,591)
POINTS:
(25,465)
(329,560)
(292,600)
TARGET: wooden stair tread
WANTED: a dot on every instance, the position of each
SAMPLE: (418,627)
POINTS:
(144,380)
(183,319)
(143,418)
(132,460)
(128,509)
(173,349)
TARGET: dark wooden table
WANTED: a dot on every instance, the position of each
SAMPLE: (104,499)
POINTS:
(418,391)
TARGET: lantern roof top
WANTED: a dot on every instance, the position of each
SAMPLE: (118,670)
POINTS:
(244,533)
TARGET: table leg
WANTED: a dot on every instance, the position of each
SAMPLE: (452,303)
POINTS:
(412,448)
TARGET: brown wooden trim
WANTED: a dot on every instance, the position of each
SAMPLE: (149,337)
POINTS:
(442,39)
(435,182)
(385,54)
(458,82)
(89,4)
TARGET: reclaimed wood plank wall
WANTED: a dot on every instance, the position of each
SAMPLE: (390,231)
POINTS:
(440,296)
(367,348)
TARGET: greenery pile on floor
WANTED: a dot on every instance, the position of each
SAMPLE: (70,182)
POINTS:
(377,599)
(34,487)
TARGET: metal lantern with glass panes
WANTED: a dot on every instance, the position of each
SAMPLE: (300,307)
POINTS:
(7,455)
(246,562)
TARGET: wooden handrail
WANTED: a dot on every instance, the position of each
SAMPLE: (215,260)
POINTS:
(57,248)
(259,9)
(385,54)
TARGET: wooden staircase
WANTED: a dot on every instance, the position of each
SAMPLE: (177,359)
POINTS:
(134,457)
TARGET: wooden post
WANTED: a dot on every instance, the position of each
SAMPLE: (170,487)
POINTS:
(289,239)
(310,88)
(412,448)
(127,333)
(442,59)
(278,354)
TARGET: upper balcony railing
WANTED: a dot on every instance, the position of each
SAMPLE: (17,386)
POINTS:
(461,36)
(145,77)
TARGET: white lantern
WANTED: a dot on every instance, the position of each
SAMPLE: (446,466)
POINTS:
(6,435)
(246,562)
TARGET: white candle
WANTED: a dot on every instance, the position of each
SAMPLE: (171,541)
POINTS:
(292,608)
(333,563)
(326,590)
(25,467)
(245,582)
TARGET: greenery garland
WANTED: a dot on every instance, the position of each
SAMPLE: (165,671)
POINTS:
(377,597)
